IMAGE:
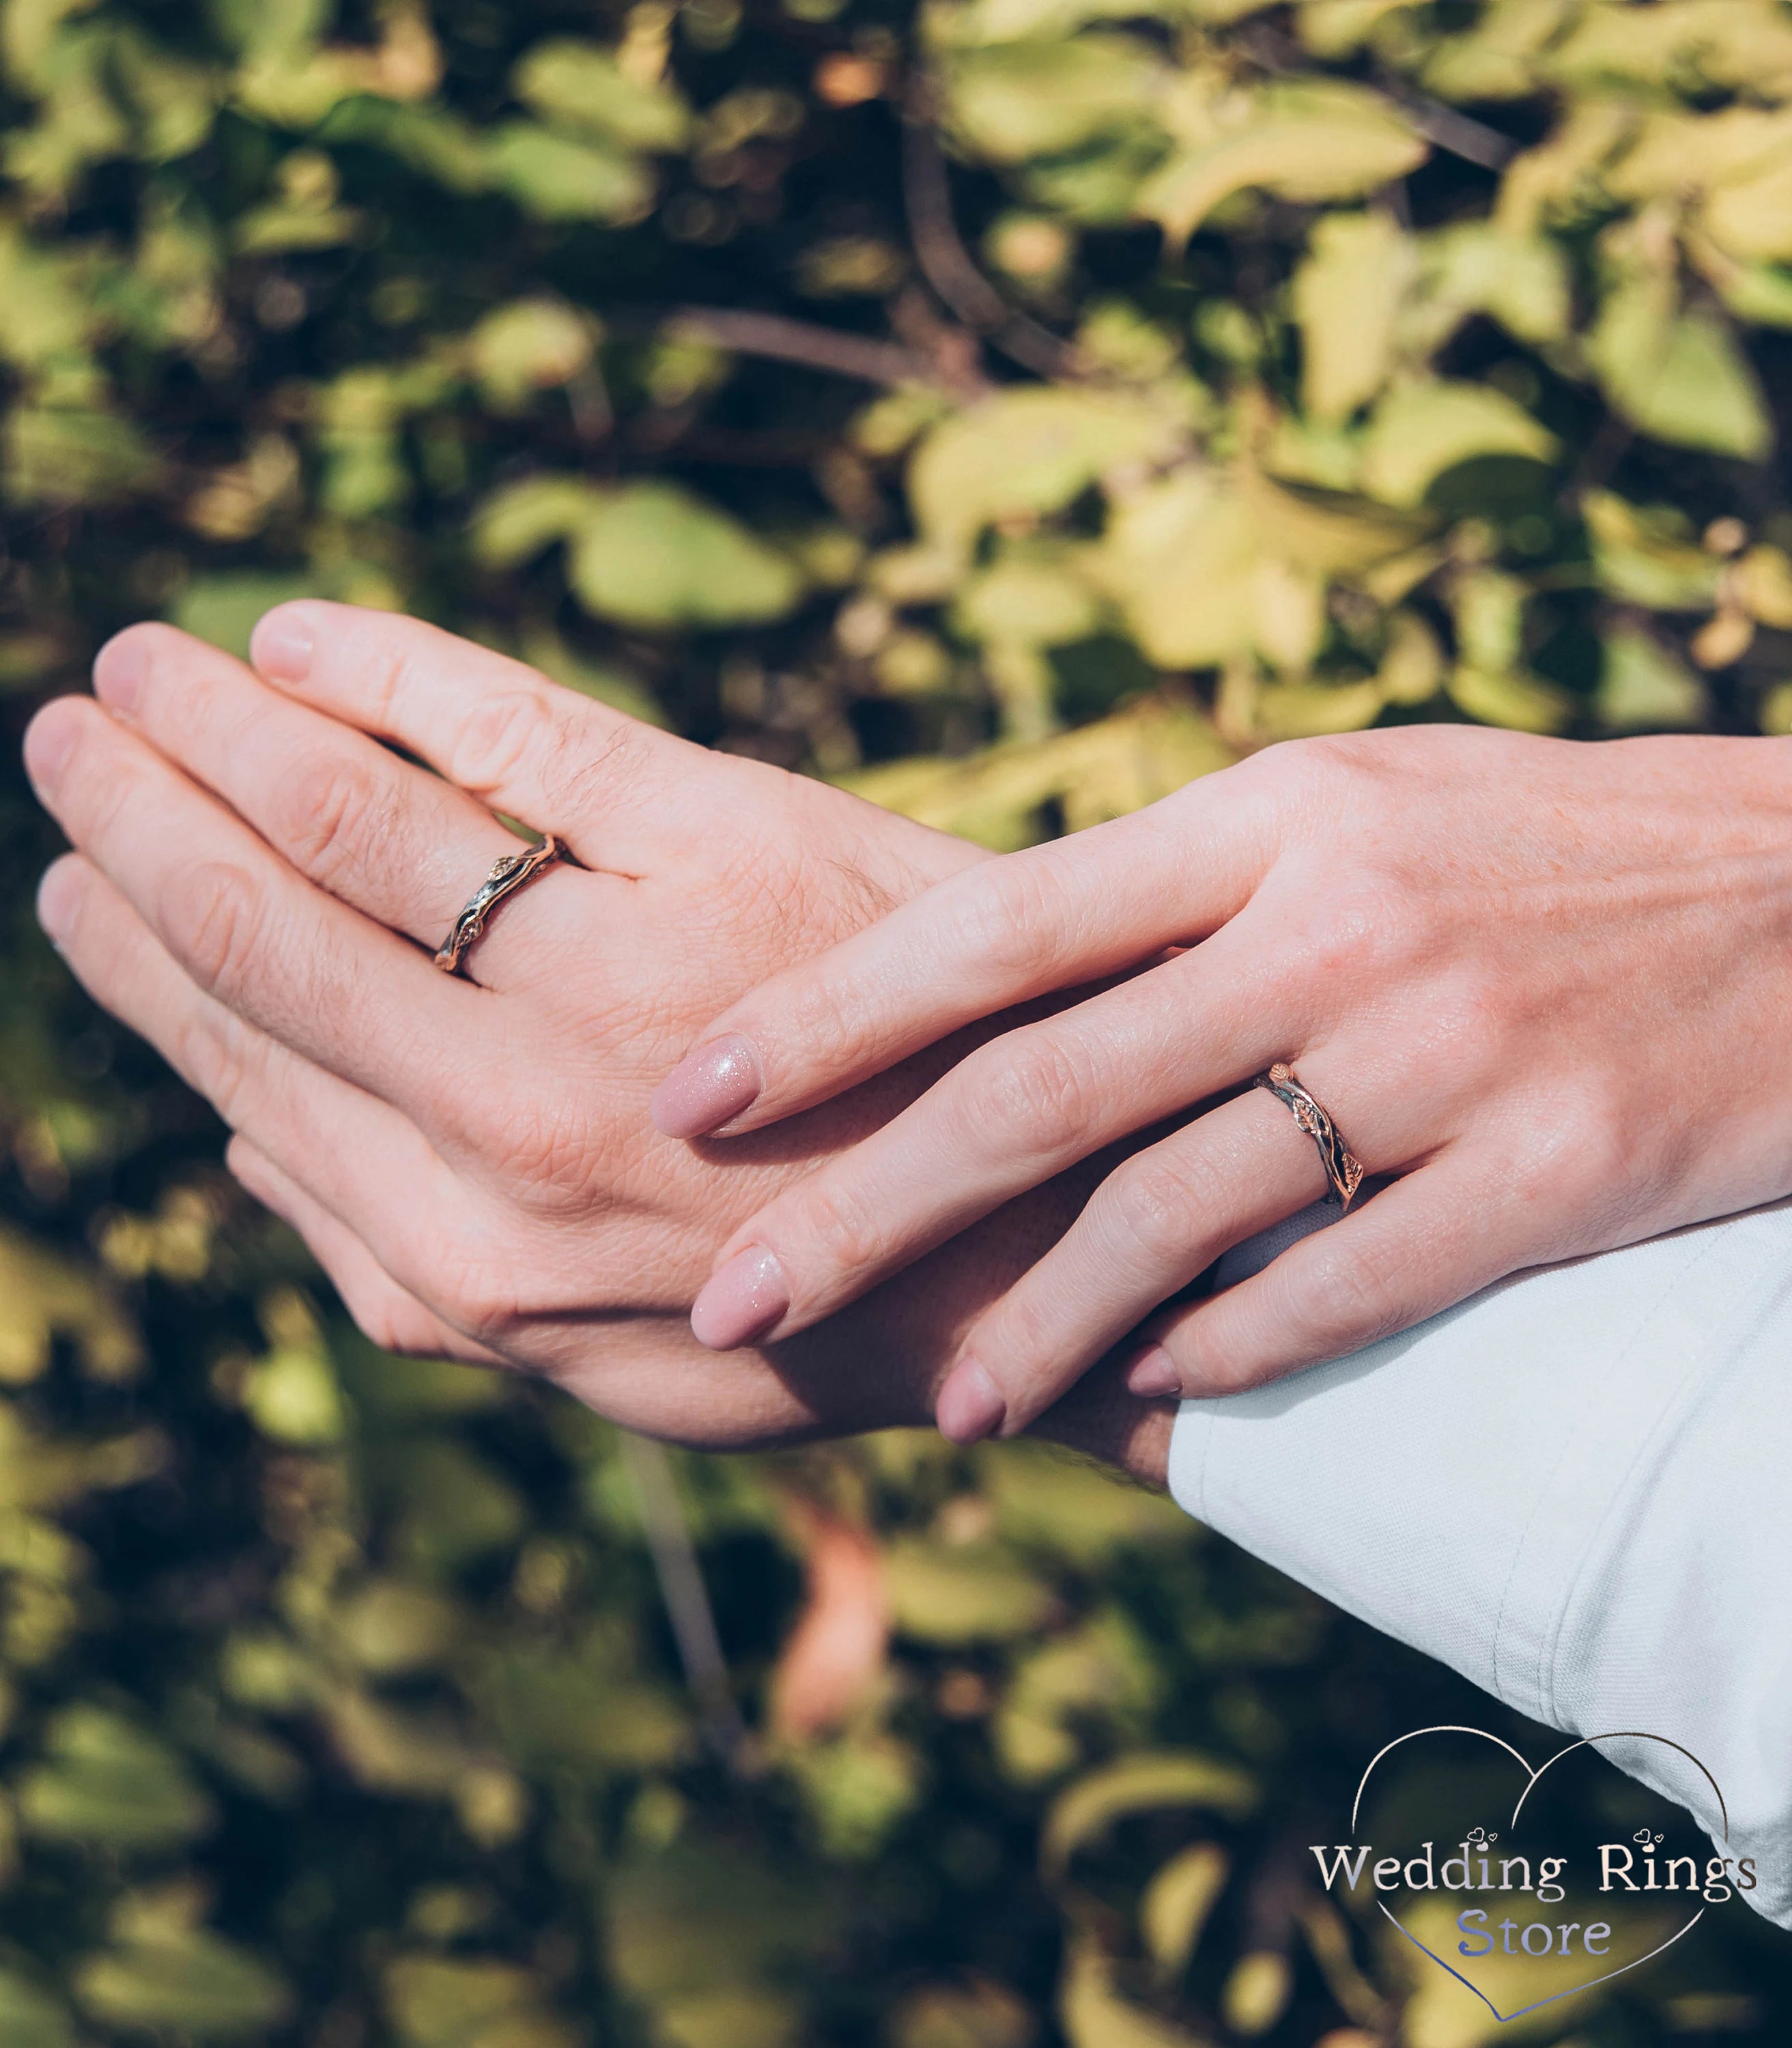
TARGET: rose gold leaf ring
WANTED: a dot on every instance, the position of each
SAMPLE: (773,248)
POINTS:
(1342,1170)
(515,871)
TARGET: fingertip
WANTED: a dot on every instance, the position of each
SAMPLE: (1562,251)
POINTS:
(709,1087)
(970,1405)
(1153,1375)
(59,898)
(741,1301)
(283,641)
(122,668)
(49,740)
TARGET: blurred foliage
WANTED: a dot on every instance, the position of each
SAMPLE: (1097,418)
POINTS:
(1016,406)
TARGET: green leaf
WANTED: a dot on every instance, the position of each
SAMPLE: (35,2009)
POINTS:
(1309,141)
(1178,558)
(652,555)
(1177,1902)
(1644,688)
(1026,603)
(1026,451)
(1681,378)
(582,87)
(530,345)
(1095,2014)
(1642,555)
(201,1986)
(1421,431)
(1346,305)
(1521,281)
(31,2016)
(106,1783)
(292,1395)
(442,2002)
(523,518)
(945,1595)
(561,179)
(54,456)
(1026,100)
(1136,1784)
(1256,1991)
(224,608)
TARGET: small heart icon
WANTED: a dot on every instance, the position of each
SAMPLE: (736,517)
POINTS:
(1476,1844)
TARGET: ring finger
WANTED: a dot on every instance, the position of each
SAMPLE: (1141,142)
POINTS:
(388,838)
(1155,1224)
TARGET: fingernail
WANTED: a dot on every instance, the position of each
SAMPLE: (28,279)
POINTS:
(741,1301)
(57,895)
(49,739)
(1153,1374)
(707,1088)
(971,1405)
(281,646)
(120,669)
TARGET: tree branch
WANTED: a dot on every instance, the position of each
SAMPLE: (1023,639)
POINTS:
(946,263)
(816,347)
(1441,125)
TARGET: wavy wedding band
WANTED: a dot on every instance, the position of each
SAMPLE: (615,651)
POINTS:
(1343,1169)
(515,871)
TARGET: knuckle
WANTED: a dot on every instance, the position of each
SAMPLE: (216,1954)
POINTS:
(1004,914)
(1157,1205)
(1347,1302)
(322,813)
(840,1233)
(1031,1091)
(829,1017)
(520,733)
(214,1050)
(213,914)
(382,1316)
(482,1300)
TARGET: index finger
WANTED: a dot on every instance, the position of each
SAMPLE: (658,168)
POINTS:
(1055,916)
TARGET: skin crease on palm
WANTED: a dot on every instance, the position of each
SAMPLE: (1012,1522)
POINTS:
(257,886)
(1542,986)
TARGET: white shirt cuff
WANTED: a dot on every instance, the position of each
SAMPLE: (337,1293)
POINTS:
(1572,1489)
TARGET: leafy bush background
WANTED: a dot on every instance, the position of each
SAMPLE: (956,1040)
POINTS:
(1016,406)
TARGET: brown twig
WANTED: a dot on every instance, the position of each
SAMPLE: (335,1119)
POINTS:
(946,263)
(1455,134)
(785,340)
(687,1599)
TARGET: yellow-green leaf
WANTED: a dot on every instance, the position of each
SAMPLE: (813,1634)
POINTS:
(583,87)
(1309,141)
(1027,451)
(1680,377)
(1177,1902)
(1035,98)
(650,555)
(1421,431)
(1347,304)
(107,1783)
(1141,1783)
(1094,2013)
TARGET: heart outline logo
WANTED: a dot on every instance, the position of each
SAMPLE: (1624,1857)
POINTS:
(1531,1779)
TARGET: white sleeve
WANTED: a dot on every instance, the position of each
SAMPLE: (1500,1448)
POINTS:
(1573,1488)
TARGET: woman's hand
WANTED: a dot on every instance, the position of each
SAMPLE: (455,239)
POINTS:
(258,887)
(1545,986)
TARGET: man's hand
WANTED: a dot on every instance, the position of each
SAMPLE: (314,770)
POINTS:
(257,885)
